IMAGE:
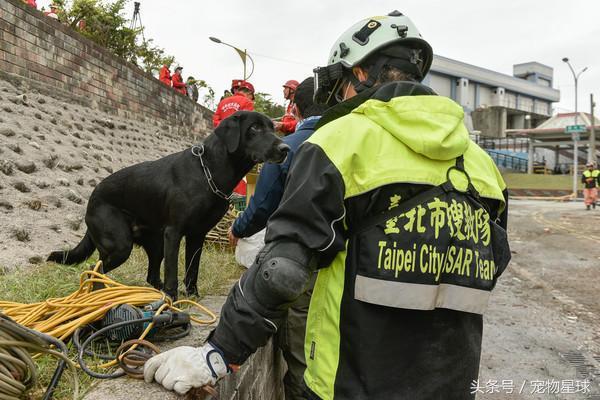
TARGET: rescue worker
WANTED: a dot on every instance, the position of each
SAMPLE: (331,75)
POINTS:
(165,75)
(192,88)
(288,122)
(226,94)
(591,180)
(178,83)
(263,203)
(404,218)
(53,13)
(235,84)
(241,100)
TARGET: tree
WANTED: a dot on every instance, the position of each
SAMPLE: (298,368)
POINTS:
(153,57)
(208,98)
(208,94)
(104,23)
(264,104)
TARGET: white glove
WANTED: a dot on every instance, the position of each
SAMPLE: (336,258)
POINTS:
(185,367)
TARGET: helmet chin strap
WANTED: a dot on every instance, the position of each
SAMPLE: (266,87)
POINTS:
(372,73)
(406,64)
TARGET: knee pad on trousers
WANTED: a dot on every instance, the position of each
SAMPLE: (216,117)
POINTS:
(282,272)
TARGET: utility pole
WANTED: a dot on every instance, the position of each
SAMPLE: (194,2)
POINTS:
(575,139)
(575,134)
(592,148)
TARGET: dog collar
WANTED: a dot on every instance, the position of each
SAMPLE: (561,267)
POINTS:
(198,151)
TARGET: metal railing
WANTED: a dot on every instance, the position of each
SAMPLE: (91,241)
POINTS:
(508,161)
(518,145)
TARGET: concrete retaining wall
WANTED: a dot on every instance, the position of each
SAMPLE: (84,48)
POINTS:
(59,61)
(260,378)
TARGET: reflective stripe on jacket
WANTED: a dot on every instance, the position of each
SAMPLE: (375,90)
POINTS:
(590,179)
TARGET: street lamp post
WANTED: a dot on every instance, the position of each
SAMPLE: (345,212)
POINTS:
(575,148)
(242,53)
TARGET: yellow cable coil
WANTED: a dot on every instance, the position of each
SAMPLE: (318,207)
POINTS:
(18,372)
(60,317)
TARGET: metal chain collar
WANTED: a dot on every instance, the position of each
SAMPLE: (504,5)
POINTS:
(198,151)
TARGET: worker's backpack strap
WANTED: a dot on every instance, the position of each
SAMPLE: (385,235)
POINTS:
(460,166)
(416,200)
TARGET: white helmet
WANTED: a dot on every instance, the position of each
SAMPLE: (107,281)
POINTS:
(392,36)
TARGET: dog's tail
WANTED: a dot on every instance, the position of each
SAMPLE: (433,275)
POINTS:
(84,249)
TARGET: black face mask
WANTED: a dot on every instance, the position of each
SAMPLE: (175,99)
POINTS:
(328,81)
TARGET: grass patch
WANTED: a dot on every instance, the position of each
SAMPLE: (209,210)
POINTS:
(538,181)
(218,271)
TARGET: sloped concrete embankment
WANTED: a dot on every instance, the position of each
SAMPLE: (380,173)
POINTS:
(52,154)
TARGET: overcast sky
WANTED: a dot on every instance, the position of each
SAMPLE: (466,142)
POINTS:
(288,38)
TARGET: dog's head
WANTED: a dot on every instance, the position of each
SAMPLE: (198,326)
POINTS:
(251,135)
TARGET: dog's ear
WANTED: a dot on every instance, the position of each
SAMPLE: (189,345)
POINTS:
(229,132)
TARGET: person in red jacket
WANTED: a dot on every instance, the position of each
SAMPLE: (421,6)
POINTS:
(242,99)
(165,75)
(288,123)
(53,13)
(178,83)
(31,3)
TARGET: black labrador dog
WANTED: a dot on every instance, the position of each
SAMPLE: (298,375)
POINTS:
(155,204)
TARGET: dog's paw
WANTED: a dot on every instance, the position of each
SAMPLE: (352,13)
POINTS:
(189,292)
(173,296)
(157,285)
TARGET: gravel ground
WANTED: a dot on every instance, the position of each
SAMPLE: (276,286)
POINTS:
(542,330)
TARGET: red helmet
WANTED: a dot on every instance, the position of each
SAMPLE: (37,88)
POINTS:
(246,85)
(235,84)
(292,84)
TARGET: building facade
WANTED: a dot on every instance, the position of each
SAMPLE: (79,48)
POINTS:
(494,102)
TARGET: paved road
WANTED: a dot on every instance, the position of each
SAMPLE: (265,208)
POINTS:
(542,330)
